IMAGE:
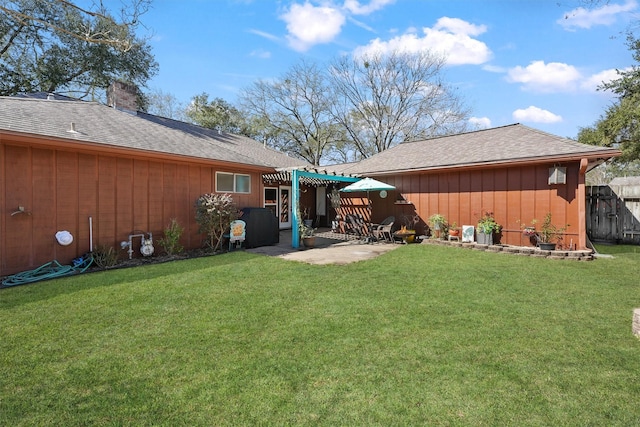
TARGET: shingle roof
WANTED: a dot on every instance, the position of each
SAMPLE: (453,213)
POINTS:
(99,124)
(501,145)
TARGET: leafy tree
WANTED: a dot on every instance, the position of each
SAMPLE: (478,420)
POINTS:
(604,173)
(57,46)
(215,114)
(620,125)
(394,98)
(294,111)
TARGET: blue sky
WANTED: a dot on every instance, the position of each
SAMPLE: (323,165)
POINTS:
(534,62)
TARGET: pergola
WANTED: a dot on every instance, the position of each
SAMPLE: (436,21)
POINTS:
(315,177)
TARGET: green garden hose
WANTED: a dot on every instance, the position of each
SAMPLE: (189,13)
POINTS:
(49,270)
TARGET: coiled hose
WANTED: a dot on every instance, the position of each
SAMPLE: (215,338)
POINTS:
(49,270)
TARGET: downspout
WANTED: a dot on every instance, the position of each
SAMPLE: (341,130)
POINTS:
(582,205)
(295,199)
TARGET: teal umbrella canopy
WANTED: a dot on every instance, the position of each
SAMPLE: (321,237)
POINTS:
(367,184)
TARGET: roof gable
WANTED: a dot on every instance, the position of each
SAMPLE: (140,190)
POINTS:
(506,144)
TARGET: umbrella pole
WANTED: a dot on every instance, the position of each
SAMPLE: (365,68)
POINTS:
(370,238)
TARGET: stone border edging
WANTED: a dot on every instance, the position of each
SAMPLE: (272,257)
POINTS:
(585,255)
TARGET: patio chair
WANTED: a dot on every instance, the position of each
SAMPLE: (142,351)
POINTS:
(382,231)
(355,225)
(237,234)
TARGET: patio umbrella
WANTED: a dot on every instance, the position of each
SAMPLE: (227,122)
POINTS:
(368,184)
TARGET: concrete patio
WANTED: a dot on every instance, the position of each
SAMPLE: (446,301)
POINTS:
(330,248)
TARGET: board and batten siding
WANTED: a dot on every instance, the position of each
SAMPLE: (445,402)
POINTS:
(515,195)
(123,194)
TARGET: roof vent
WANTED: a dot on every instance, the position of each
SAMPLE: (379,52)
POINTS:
(72,128)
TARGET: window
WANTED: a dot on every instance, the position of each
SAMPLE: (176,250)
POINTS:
(233,183)
(243,183)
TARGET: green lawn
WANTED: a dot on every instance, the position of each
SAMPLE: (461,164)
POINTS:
(423,335)
(617,249)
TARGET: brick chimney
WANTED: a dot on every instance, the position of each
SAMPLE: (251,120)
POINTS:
(123,96)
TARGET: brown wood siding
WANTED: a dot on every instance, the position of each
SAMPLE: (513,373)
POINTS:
(123,194)
(515,195)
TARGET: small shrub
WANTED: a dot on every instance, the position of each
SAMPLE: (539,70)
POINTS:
(214,213)
(105,256)
(171,240)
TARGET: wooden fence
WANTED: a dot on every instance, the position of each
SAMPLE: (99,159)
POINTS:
(613,213)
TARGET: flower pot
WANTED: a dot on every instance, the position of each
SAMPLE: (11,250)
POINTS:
(454,233)
(485,238)
(309,242)
(547,246)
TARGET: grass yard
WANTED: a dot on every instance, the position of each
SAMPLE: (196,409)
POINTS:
(423,335)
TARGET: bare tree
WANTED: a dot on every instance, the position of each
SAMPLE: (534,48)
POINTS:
(296,110)
(165,104)
(384,100)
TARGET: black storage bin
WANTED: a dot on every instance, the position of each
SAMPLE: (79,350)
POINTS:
(262,227)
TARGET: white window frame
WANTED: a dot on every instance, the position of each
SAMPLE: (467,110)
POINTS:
(235,182)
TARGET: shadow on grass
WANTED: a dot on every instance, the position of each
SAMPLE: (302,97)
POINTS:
(13,296)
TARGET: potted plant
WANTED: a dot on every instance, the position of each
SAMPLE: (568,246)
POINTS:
(529,230)
(306,231)
(308,236)
(454,231)
(487,227)
(306,217)
(437,222)
(549,234)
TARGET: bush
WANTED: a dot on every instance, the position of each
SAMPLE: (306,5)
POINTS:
(214,213)
(171,240)
(105,256)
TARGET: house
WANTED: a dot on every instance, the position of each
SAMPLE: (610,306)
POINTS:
(103,173)
(514,171)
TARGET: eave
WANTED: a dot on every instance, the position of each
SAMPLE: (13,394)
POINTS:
(594,157)
(64,144)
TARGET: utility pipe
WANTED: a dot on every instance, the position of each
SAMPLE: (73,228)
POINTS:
(90,235)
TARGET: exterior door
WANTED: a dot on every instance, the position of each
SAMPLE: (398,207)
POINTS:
(285,207)
(271,200)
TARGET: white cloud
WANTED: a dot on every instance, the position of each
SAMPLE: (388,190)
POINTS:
(260,53)
(309,25)
(480,122)
(587,18)
(450,37)
(458,26)
(535,115)
(356,8)
(264,34)
(592,83)
(494,68)
(541,77)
